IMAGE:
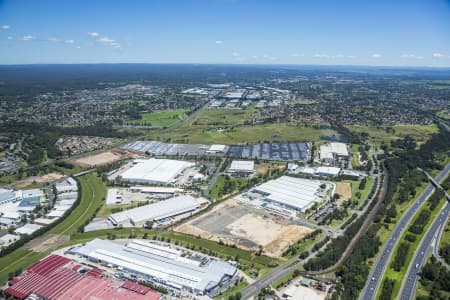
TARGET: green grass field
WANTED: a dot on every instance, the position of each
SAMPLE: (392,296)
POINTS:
(93,194)
(355,155)
(159,119)
(231,291)
(246,134)
(19,259)
(217,188)
(304,102)
(444,114)
(379,134)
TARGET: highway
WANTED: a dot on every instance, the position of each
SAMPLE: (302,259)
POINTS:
(427,244)
(376,275)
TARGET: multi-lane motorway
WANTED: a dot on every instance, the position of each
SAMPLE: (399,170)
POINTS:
(426,247)
(376,275)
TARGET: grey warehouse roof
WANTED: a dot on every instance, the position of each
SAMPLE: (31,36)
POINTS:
(159,210)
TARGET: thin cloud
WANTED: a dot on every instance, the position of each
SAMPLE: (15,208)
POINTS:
(438,55)
(10,38)
(412,56)
(339,56)
(219,42)
(297,54)
(106,40)
(69,41)
(53,39)
(321,55)
(4,27)
(27,38)
(93,34)
(376,55)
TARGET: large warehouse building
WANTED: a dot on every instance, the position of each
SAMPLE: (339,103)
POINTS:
(331,152)
(156,171)
(293,193)
(59,278)
(157,212)
(159,264)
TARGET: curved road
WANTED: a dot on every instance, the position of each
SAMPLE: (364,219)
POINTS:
(374,280)
(427,244)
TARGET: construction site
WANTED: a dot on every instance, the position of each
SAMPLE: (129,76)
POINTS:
(246,227)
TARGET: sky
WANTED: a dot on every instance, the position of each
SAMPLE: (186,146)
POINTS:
(326,32)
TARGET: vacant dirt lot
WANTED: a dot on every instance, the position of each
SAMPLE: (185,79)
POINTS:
(246,227)
(50,177)
(48,242)
(104,158)
(345,190)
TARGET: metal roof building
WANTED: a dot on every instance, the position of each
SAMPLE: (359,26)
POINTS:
(8,196)
(291,192)
(156,171)
(157,211)
(158,263)
(242,166)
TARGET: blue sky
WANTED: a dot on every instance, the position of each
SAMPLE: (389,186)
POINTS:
(381,32)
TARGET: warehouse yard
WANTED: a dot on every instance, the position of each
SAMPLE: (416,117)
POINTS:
(246,227)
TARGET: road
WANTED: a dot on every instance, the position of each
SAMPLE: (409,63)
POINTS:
(428,243)
(214,178)
(376,275)
(276,274)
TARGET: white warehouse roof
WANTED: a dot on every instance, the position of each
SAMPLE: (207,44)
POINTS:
(27,229)
(293,192)
(156,171)
(157,211)
(164,263)
(155,189)
(328,171)
(242,166)
(327,150)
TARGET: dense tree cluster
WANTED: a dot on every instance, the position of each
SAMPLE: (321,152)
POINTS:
(436,280)
(400,256)
(401,166)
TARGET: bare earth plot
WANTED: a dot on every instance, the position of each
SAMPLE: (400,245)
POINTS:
(104,158)
(345,190)
(246,227)
(50,177)
(47,242)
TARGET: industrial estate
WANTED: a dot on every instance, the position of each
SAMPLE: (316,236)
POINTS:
(207,188)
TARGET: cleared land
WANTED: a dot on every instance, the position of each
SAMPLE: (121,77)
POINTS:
(103,158)
(50,177)
(160,119)
(246,227)
(345,190)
